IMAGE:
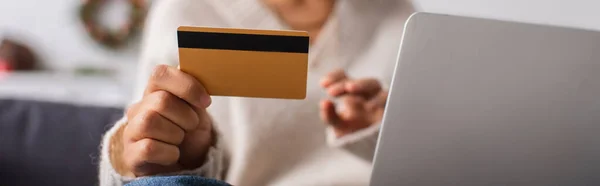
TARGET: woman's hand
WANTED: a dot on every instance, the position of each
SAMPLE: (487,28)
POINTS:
(363,100)
(168,130)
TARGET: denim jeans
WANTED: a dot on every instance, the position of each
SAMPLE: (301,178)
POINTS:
(176,181)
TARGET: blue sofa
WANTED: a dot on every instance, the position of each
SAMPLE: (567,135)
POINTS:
(43,143)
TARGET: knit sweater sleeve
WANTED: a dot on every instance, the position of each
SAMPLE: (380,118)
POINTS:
(360,143)
(212,168)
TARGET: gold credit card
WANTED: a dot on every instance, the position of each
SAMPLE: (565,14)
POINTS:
(245,62)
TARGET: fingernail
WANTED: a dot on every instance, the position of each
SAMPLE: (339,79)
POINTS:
(206,101)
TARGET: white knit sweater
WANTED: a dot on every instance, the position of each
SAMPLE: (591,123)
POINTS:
(271,141)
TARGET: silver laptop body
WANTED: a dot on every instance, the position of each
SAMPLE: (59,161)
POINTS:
(478,102)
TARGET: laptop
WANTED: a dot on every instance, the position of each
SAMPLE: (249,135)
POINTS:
(480,102)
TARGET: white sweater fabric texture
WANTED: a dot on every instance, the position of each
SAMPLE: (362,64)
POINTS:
(264,142)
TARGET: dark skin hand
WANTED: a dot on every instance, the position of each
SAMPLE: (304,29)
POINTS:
(364,101)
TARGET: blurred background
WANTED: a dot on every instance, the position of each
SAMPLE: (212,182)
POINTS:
(60,86)
(70,65)
(71,59)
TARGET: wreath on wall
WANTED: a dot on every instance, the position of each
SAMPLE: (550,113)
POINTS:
(112,39)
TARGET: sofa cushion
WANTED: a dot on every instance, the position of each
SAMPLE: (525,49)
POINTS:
(43,143)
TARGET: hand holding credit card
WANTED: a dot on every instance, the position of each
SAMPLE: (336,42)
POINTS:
(245,62)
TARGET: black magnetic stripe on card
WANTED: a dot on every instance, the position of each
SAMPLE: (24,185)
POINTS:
(246,42)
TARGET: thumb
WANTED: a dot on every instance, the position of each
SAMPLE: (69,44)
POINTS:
(379,101)
(376,107)
(331,117)
(196,143)
(329,114)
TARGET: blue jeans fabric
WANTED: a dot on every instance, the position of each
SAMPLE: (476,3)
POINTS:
(176,181)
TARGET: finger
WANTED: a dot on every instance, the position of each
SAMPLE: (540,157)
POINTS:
(204,120)
(179,84)
(337,89)
(328,113)
(132,110)
(333,77)
(151,124)
(366,87)
(172,108)
(376,107)
(380,100)
(151,151)
(354,107)
(195,145)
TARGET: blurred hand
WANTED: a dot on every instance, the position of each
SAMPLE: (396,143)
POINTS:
(363,99)
(168,130)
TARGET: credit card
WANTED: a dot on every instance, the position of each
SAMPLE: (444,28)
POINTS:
(246,62)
